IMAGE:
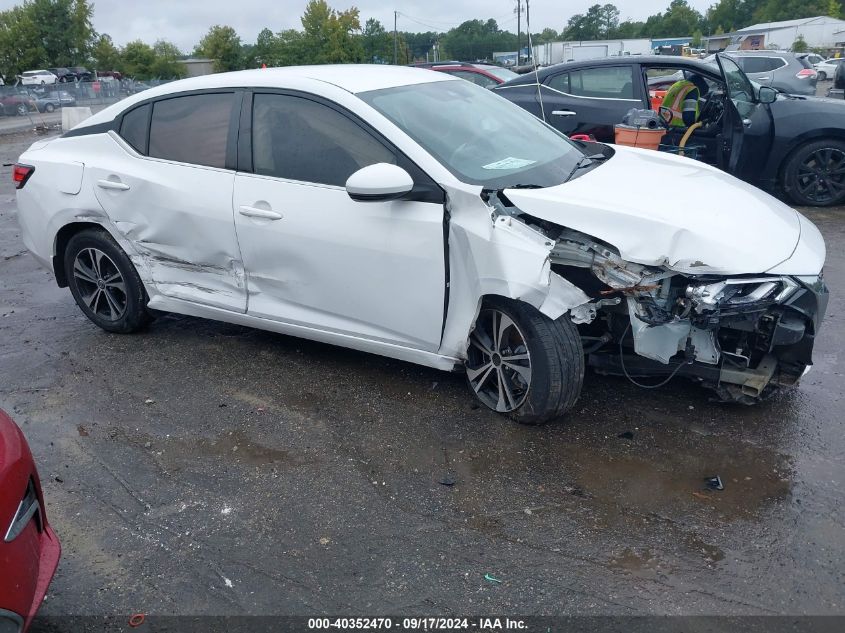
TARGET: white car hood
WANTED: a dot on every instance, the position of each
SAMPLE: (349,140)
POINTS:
(661,209)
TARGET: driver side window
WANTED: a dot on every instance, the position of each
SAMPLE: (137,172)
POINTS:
(299,139)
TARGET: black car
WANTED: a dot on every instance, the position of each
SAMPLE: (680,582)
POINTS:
(81,73)
(782,143)
(64,74)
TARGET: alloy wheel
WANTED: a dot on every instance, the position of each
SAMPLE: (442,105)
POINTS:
(100,283)
(498,365)
(821,175)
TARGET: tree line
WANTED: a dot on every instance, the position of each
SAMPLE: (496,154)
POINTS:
(679,19)
(60,33)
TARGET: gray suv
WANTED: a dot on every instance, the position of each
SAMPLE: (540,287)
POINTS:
(779,69)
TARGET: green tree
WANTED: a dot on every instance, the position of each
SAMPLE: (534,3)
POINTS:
(330,36)
(137,60)
(105,54)
(799,45)
(21,47)
(377,42)
(598,23)
(223,45)
(166,62)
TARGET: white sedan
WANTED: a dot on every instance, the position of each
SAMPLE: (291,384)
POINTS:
(827,69)
(411,214)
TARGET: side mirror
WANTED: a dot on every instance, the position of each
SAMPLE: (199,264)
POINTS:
(379,182)
(767,94)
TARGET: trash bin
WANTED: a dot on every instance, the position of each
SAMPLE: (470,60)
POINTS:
(634,136)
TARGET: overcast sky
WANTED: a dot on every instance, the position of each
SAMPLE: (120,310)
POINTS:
(184,22)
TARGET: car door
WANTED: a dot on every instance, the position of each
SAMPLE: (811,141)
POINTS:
(750,124)
(592,100)
(168,190)
(313,256)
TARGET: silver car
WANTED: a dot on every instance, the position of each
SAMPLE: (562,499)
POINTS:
(781,70)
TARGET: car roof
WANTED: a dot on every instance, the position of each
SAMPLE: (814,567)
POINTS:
(682,63)
(353,78)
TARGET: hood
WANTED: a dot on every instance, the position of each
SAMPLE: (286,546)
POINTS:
(661,209)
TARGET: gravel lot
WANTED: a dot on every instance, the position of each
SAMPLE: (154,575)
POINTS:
(203,468)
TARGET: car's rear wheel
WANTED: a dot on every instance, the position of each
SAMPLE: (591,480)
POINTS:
(49,107)
(822,75)
(21,109)
(523,364)
(104,282)
(815,174)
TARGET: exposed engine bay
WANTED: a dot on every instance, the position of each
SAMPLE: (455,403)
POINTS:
(743,336)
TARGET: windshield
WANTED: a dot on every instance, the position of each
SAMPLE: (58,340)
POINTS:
(480,137)
(502,73)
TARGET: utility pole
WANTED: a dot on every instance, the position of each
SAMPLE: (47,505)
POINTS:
(395,41)
(518,25)
(528,31)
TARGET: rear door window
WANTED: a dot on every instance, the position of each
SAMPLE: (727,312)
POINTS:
(135,126)
(192,129)
(476,78)
(605,82)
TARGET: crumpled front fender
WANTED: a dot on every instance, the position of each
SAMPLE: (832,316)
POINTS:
(498,255)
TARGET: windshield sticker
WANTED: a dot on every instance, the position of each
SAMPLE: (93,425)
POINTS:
(509,163)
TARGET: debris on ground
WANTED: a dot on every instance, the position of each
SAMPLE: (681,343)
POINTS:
(448,480)
(714,482)
(626,435)
(490,578)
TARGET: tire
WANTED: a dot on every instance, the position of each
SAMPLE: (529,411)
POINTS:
(822,75)
(21,109)
(814,175)
(104,282)
(543,379)
(49,107)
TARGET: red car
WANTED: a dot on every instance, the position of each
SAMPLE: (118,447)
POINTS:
(29,549)
(485,75)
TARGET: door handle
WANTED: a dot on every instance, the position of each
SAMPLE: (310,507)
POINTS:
(264,214)
(112,184)
(563,113)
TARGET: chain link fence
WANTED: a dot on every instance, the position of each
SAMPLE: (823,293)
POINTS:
(42,104)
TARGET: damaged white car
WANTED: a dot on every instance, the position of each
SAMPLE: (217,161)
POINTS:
(406,213)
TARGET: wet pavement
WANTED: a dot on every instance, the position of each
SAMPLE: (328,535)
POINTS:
(204,468)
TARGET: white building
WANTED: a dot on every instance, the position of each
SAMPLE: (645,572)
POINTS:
(556,52)
(819,32)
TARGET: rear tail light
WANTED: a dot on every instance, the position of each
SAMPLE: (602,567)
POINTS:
(21,173)
(27,509)
(806,73)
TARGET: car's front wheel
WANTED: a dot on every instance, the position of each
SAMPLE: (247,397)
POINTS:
(49,107)
(822,75)
(523,364)
(104,282)
(21,109)
(815,174)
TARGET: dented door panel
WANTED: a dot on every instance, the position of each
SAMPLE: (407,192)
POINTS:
(178,220)
(371,269)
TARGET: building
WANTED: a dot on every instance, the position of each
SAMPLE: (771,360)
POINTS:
(821,32)
(196,66)
(557,52)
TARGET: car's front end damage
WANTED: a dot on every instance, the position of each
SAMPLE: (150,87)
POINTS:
(733,300)
(743,336)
